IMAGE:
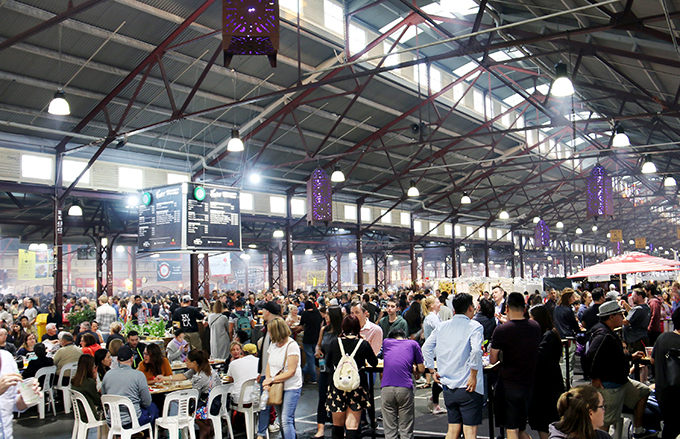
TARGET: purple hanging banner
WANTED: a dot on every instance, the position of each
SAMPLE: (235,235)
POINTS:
(599,196)
(542,234)
(319,198)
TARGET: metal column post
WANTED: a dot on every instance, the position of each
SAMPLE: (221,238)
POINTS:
(486,251)
(512,267)
(414,262)
(289,245)
(521,256)
(206,277)
(360,254)
(58,255)
(134,270)
(194,278)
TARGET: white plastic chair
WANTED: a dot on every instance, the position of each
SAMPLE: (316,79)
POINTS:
(222,391)
(82,427)
(112,405)
(184,417)
(47,393)
(64,388)
(246,408)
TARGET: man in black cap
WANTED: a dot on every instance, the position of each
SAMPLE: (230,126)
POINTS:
(187,317)
(609,366)
(271,311)
(125,381)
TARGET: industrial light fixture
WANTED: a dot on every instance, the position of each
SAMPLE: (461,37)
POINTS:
(465,199)
(337,176)
(245,256)
(537,219)
(59,105)
(578,231)
(132,201)
(75,210)
(33,247)
(255,177)
(594,228)
(620,137)
(516,253)
(413,190)
(504,215)
(648,167)
(631,242)
(104,242)
(368,262)
(669,181)
(549,258)
(278,234)
(559,225)
(120,249)
(235,143)
(471,260)
(42,247)
(352,255)
(308,252)
(252,246)
(462,248)
(562,85)
(155,255)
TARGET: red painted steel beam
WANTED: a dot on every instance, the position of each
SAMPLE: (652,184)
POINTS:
(70,12)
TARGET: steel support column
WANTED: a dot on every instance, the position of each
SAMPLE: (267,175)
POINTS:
(289,245)
(486,251)
(414,262)
(194,278)
(275,268)
(105,266)
(133,253)
(521,256)
(200,280)
(58,255)
(380,261)
(512,267)
(360,253)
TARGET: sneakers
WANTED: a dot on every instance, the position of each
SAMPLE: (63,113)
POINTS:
(421,380)
(273,428)
(438,410)
(430,405)
(644,434)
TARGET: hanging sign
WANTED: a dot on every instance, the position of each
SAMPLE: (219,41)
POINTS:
(615,235)
(640,242)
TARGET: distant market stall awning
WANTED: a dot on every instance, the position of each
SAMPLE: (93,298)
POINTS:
(628,263)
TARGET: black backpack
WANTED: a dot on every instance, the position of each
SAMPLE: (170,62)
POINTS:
(672,364)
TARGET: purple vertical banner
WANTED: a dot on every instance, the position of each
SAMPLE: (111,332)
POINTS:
(617,247)
(542,234)
(319,198)
(599,196)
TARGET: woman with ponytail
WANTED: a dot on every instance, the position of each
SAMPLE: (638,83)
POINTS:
(581,412)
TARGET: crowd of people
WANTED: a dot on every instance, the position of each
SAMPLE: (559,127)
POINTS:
(426,339)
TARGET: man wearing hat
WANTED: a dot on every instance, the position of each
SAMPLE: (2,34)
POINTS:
(186,317)
(271,311)
(609,367)
(125,381)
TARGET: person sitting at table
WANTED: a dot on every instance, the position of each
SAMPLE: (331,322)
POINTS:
(17,335)
(154,364)
(177,348)
(114,333)
(85,382)
(89,344)
(28,346)
(581,412)
(114,345)
(41,360)
(203,378)
(241,370)
(102,360)
(94,327)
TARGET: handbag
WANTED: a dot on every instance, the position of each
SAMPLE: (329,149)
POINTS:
(672,363)
(276,389)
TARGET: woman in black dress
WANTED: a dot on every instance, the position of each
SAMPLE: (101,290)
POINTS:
(346,407)
(414,318)
(548,384)
(327,334)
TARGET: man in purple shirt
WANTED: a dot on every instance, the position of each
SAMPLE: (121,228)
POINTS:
(398,410)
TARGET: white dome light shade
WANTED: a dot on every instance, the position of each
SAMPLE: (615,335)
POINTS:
(278,234)
(352,255)
(462,248)
(648,167)
(59,105)
(75,210)
(413,190)
(516,253)
(579,230)
(620,139)
(669,181)
(559,225)
(594,229)
(308,252)
(504,215)
(120,249)
(255,177)
(104,242)
(562,85)
(42,247)
(471,260)
(465,199)
(235,143)
(245,256)
(33,247)
(337,176)
(537,219)
(133,200)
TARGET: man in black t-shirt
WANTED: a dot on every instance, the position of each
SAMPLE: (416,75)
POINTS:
(519,339)
(311,321)
(187,317)
(137,310)
(590,318)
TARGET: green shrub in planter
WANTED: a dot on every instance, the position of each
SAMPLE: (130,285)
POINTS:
(76,318)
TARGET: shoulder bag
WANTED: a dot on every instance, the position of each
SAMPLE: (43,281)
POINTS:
(276,389)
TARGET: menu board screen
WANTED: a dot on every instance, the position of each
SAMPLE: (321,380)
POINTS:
(160,219)
(213,223)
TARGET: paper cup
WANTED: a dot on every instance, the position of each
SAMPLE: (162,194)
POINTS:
(29,396)
(648,351)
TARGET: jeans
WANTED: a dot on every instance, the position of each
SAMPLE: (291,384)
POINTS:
(263,419)
(398,411)
(310,365)
(286,412)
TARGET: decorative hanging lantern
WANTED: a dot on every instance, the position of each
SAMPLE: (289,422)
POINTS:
(617,247)
(250,28)
(319,198)
(542,234)
(599,197)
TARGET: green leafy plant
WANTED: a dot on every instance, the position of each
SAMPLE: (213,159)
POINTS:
(154,328)
(76,318)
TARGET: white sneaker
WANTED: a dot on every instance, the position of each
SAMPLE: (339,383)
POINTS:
(430,405)
(421,380)
(438,410)
(273,428)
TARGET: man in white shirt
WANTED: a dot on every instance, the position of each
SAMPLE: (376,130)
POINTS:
(242,370)
(10,399)
(105,316)
(370,332)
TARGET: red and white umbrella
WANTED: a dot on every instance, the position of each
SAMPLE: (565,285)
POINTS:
(628,263)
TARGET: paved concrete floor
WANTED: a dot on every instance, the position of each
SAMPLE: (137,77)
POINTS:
(28,426)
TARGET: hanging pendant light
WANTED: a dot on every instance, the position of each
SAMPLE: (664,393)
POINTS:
(669,181)
(75,210)
(559,225)
(413,190)
(562,85)
(620,139)
(579,231)
(235,143)
(537,219)
(504,215)
(59,105)
(465,199)
(337,176)
(648,167)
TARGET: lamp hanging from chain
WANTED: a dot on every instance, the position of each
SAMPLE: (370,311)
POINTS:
(542,234)
(599,193)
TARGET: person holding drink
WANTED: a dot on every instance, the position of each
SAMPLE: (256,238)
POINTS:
(15,393)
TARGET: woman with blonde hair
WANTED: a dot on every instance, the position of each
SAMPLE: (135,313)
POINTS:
(283,366)
(431,307)
(293,318)
(219,331)
(113,346)
(581,412)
